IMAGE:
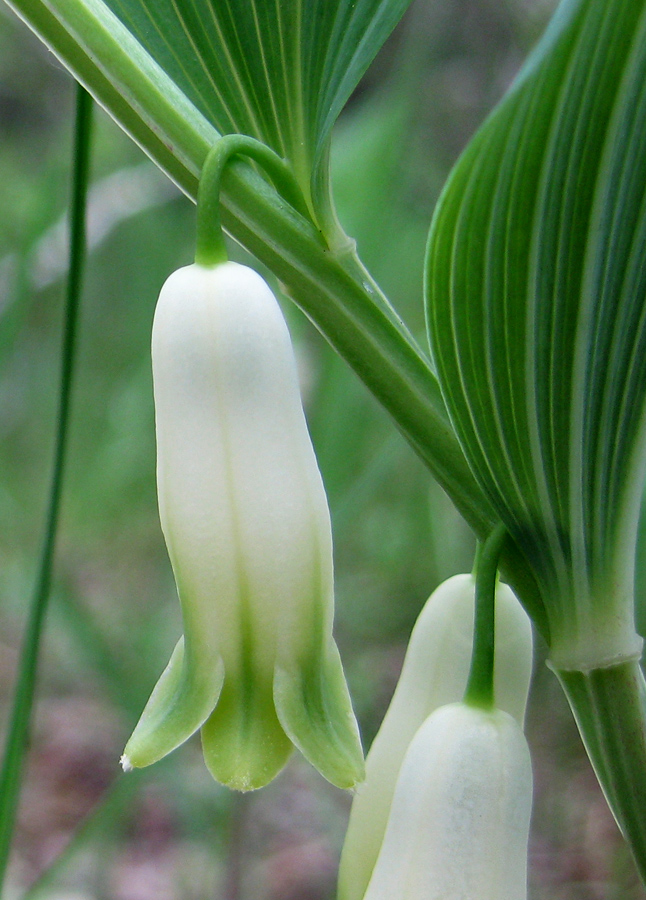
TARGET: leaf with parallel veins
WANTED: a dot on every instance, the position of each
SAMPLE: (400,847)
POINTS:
(277,70)
(536,290)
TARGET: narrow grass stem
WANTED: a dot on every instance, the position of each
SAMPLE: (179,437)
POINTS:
(19,722)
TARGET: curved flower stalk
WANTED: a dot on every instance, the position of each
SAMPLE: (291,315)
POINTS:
(246,522)
(459,823)
(434,673)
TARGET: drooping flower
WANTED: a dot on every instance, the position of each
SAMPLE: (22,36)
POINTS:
(459,822)
(246,523)
(434,673)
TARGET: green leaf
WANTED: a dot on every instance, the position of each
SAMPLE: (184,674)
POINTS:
(277,70)
(536,290)
(332,288)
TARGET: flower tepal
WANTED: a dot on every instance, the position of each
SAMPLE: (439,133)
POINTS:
(246,523)
(434,674)
(459,821)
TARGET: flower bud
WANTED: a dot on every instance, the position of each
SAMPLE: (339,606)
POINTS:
(434,673)
(246,523)
(459,823)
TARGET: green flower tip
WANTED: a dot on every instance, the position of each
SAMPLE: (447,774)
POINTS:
(246,523)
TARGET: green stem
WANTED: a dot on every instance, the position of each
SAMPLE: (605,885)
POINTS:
(336,293)
(609,706)
(18,729)
(330,285)
(211,248)
(480,684)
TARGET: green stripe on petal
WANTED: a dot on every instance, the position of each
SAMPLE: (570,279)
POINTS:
(181,702)
(245,518)
(314,708)
(243,742)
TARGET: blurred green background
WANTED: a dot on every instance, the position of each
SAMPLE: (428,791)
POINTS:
(85,831)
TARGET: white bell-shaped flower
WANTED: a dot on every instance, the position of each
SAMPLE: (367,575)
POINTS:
(434,673)
(247,526)
(459,821)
